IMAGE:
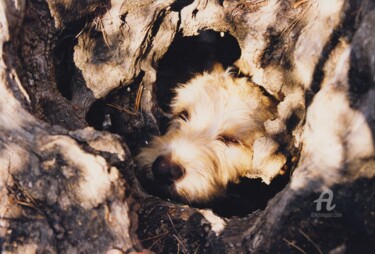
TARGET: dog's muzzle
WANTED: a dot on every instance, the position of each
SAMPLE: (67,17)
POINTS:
(166,171)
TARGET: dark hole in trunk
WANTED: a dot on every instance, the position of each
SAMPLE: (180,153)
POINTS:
(186,57)
(109,114)
(64,51)
(189,56)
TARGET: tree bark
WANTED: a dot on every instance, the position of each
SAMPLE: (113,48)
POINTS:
(68,66)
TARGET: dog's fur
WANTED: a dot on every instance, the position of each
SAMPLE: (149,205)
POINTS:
(217,135)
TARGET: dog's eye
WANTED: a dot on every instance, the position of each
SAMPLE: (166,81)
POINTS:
(226,139)
(184,115)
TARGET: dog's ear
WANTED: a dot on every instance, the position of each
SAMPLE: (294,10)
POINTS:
(267,162)
(217,68)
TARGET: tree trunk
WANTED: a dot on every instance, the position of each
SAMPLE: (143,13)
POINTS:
(85,84)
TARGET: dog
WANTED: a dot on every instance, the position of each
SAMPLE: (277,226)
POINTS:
(216,136)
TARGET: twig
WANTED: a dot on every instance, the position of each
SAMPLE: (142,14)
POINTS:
(27,200)
(311,241)
(82,30)
(138,98)
(294,246)
(177,236)
(104,33)
(180,243)
(297,4)
(127,111)
(196,250)
(158,240)
(250,7)
(153,237)
(296,20)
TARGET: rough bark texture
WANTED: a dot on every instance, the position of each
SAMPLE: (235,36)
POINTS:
(68,65)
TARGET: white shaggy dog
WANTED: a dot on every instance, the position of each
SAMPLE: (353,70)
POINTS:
(217,135)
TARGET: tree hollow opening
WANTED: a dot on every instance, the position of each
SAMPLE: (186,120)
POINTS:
(187,57)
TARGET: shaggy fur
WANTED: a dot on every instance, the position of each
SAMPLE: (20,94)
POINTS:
(217,135)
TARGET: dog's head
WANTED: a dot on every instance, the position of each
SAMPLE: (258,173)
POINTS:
(217,120)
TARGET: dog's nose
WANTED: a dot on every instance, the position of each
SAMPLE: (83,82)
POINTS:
(166,171)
